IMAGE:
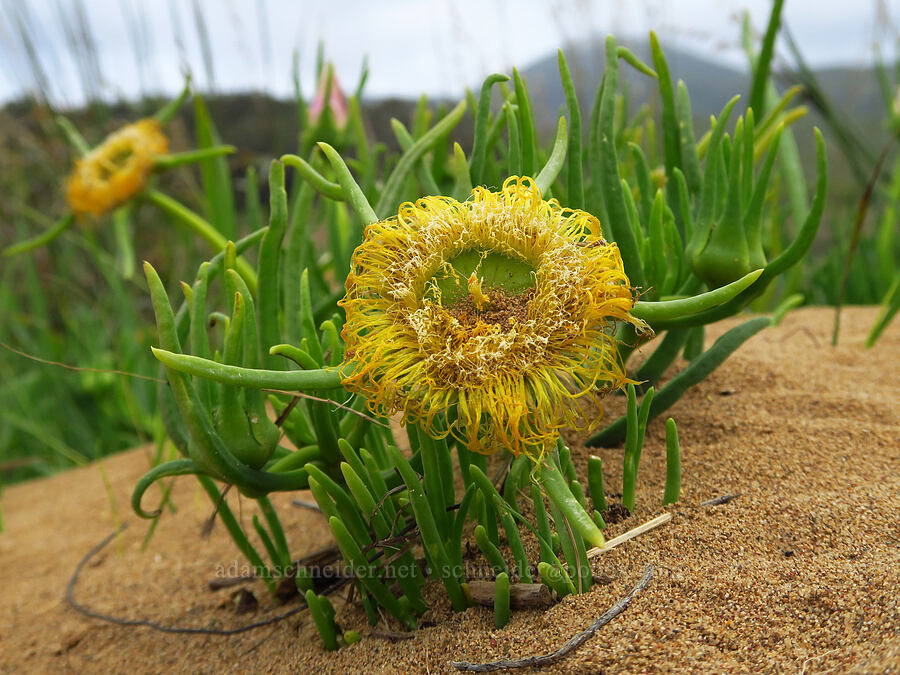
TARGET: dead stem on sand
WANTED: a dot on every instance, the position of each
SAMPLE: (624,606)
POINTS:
(570,645)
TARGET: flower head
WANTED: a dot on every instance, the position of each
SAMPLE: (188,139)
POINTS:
(336,102)
(117,169)
(498,311)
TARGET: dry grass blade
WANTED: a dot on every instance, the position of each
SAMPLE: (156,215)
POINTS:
(721,499)
(861,210)
(631,534)
(300,394)
(78,368)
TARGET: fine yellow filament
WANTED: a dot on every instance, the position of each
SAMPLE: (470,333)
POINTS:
(510,383)
(479,297)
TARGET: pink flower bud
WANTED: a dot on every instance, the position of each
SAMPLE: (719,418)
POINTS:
(337,102)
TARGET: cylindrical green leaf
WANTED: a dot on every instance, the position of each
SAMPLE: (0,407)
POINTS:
(501,600)
(560,494)
(673,464)
(490,551)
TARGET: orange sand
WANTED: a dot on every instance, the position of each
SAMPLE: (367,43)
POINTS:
(799,574)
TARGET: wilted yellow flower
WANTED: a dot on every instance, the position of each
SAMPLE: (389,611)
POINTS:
(116,170)
(498,311)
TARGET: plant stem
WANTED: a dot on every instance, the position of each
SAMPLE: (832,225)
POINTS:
(201,227)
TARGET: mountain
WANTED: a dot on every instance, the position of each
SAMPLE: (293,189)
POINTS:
(711,84)
(852,92)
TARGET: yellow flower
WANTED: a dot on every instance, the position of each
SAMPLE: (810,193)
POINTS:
(116,170)
(498,311)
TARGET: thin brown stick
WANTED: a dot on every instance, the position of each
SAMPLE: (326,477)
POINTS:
(309,506)
(219,583)
(300,394)
(287,411)
(400,553)
(722,499)
(393,636)
(94,614)
(392,491)
(79,368)
(862,209)
(631,534)
(207,528)
(501,475)
(569,646)
(521,595)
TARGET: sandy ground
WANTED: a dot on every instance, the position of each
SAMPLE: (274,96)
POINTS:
(800,573)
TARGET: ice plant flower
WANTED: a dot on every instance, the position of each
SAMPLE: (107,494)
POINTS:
(490,319)
(329,88)
(117,169)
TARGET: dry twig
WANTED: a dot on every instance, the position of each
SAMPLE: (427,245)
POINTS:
(569,646)
(80,369)
(309,506)
(521,595)
(723,499)
(393,636)
(94,614)
(631,534)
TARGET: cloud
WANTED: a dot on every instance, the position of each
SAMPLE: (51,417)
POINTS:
(434,46)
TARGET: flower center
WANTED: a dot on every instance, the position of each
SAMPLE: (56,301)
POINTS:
(477,275)
(114,162)
(501,309)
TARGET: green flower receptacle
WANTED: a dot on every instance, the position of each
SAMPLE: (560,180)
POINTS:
(725,258)
(250,438)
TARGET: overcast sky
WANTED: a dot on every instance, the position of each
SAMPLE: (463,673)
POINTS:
(413,46)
